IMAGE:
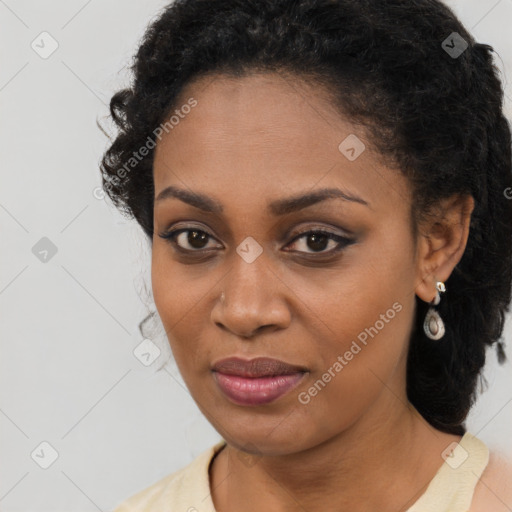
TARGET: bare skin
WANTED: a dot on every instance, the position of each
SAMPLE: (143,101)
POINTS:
(494,488)
(357,444)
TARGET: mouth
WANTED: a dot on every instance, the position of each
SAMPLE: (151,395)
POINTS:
(256,381)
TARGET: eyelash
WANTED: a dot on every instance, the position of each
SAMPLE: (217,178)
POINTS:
(170,236)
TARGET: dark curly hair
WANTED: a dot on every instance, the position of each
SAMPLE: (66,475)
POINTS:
(387,65)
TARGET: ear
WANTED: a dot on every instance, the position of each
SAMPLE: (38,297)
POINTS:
(441,244)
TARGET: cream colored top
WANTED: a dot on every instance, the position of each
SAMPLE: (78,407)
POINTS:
(188,490)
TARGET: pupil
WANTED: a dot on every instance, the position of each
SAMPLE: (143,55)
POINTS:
(195,238)
(319,242)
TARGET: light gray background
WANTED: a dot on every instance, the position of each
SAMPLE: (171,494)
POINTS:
(69,326)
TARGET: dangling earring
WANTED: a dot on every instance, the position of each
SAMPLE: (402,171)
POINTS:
(433,324)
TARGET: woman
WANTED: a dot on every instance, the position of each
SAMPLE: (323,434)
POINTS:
(326,188)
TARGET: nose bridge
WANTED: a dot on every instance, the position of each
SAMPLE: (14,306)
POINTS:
(250,281)
(251,295)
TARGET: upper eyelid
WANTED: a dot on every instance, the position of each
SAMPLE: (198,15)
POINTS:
(296,236)
(288,233)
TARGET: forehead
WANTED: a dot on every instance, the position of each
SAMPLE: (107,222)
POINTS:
(268,134)
(259,110)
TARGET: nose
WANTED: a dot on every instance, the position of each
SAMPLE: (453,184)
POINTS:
(254,300)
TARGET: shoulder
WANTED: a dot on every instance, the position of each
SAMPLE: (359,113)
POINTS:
(188,487)
(494,488)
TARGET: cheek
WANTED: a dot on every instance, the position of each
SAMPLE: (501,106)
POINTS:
(367,316)
(177,288)
(176,300)
(181,294)
(366,366)
(369,296)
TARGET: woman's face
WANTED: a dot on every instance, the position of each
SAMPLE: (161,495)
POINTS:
(338,310)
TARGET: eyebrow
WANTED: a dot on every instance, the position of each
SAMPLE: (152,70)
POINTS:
(276,207)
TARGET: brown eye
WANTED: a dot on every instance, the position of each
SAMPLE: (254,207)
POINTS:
(190,240)
(196,239)
(318,241)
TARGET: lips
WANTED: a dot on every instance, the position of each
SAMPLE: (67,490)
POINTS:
(258,367)
(256,381)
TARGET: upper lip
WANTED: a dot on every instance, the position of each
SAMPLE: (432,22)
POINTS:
(257,367)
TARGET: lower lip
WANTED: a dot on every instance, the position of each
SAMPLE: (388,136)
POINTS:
(256,391)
